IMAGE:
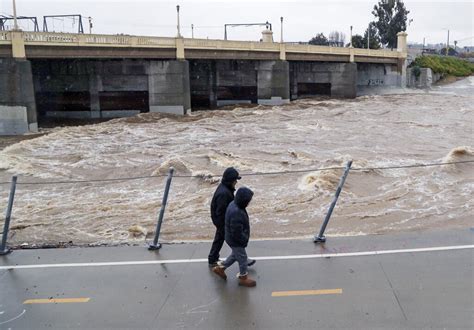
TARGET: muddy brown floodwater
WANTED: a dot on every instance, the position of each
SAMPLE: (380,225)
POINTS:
(373,131)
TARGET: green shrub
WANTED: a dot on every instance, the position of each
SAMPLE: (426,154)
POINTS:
(445,65)
(416,71)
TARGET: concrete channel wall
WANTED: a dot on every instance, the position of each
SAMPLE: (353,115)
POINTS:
(425,79)
(332,79)
(16,96)
(92,89)
(224,82)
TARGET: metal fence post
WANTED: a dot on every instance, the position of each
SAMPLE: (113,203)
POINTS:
(320,238)
(3,247)
(156,245)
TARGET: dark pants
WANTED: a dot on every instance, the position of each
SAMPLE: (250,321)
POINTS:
(240,255)
(219,239)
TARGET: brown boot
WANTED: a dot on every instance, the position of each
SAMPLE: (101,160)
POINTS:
(220,271)
(245,280)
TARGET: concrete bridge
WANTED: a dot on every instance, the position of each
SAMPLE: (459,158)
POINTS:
(102,76)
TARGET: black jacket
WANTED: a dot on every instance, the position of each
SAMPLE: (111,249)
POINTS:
(223,195)
(237,227)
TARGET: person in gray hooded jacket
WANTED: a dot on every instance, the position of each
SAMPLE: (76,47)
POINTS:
(237,234)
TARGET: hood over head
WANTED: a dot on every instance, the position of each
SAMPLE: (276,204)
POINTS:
(243,197)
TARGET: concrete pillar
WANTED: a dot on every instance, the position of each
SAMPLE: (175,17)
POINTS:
(273,82)
(18,45)
(402,58)
(169,87)
(402,42)
(17,97)
(267,36)
(213,85)
(95,86)
(293,80)
(344,80)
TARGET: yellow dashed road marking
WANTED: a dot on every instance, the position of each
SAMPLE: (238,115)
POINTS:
(305,293)
(56,301)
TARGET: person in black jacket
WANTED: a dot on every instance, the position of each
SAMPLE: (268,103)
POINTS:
(223,196)
(237,234)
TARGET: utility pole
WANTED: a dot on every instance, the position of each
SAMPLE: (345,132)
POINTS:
(368,37)
(351,38)
(178,25)
(447,45)
(15,23)
(192,31)
(281,32)
(90,25)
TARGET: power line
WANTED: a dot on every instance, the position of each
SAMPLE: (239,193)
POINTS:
(246,174)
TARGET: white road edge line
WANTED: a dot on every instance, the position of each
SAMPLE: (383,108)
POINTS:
(290,257)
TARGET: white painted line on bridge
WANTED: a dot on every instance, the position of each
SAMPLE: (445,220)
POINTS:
(289,257)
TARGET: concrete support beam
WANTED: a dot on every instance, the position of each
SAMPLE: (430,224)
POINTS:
(16,94)
(273,82)
(169,87)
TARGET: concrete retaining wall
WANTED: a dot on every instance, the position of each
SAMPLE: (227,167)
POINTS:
(334,79)
(425,80)
(16,92)
(378,75)
(114,88)
(225,82)
(168,87)
(273,82)
(13,120)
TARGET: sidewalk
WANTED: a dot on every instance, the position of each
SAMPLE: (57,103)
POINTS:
(412,280)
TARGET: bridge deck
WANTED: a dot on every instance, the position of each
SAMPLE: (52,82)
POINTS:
(362,288)
(67,45)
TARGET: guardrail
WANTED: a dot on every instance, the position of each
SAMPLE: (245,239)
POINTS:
(119,41)
(319,238)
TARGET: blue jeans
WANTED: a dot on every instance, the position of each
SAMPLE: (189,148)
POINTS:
(240,255)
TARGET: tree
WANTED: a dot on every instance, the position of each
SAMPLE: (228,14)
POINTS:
(337,39)
(357,41)
(319,39)
(391,18)
(451,51)
(374,39)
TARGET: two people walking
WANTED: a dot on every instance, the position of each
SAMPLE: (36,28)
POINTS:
(230,217)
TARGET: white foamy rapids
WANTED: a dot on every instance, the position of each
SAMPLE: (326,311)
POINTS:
(373,131)
(458,155)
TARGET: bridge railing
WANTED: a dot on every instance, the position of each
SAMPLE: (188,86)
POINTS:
(230,45)
(313,49)
(98,40)
(5,37)
(376,52)
(64,39)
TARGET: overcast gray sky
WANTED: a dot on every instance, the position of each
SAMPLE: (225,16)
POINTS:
(303,18)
